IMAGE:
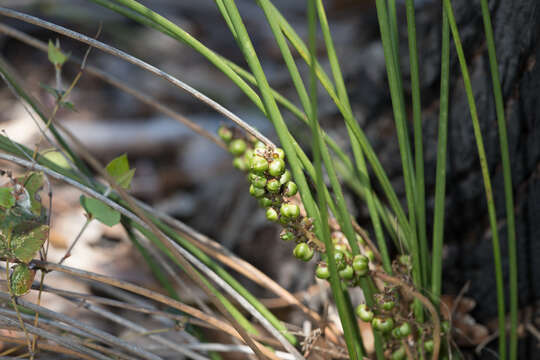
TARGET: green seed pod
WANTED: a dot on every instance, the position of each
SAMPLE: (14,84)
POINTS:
(290,188)
(240,164)
(405,260)
(286,235)
(276,167)
(405,329)
(360,265)
(399,354)
(248,155)
(364,313)
(322,271)
(303,252)
(259,145)
(237,147)
(272,214)
(396,334)
(258,181)
(339,257)
(256,192)
(265,202)
(445,326)
(284,220)
(388,305)
(382,325)
(285,177)
(369,255)
(428,346)
(347,273)
(290,211)
(279,153)
(258,164)
(339,246)
(225,134)
(273,186)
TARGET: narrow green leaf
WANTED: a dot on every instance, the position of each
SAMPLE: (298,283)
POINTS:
(119,169)
(7,200)
(100,211)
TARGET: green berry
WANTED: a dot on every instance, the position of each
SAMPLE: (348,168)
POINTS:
(258,181)
(322,271)
(280,153)
(225,134)
(258,164)
(303,252)
(286,235)
(256,192)
(272,214)
(396,334)
(276,167)
(347,273)
(290,188)
(399,354)
(284,220)
(237,147)
(388,305)
(360,240)
(364,313)
(240,164)
(265,202)
(259,145)
(340,246)
(360,265)
(428,346)
(382,325)
(248,155)
(405,329)
(273,186)
(445,326)
(290,211)
(339,258)
(405,260)
(369,255)
(285,177)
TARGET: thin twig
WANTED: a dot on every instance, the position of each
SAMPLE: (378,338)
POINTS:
(143,65)
(48,347)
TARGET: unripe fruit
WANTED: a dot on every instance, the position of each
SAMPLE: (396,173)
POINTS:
(240,164)
(276,167)
(369,255)
(272,214)
(339,258)
(258,164)
(405,260)
(290,188)
(258,181)
(285,177)
(428,346)
(382,325)
(290,211)
(347,273)
(322,271)
(273,186)
(405,329)
(248,155)
(360,240)
(256,192)
(286,235)
(399,354)
(364,313)
(265,202)
(360,265)
(396,334)
(259,145)
(445,326)
(284,220)
(339,246)
(303,252)
(388,305)
(225,134)
(280,153)
(237,147)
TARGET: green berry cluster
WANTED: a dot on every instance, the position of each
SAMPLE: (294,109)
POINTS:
(271,183)
(350,268)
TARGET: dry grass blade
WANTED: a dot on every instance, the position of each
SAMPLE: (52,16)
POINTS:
(143,65)
(47,347)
